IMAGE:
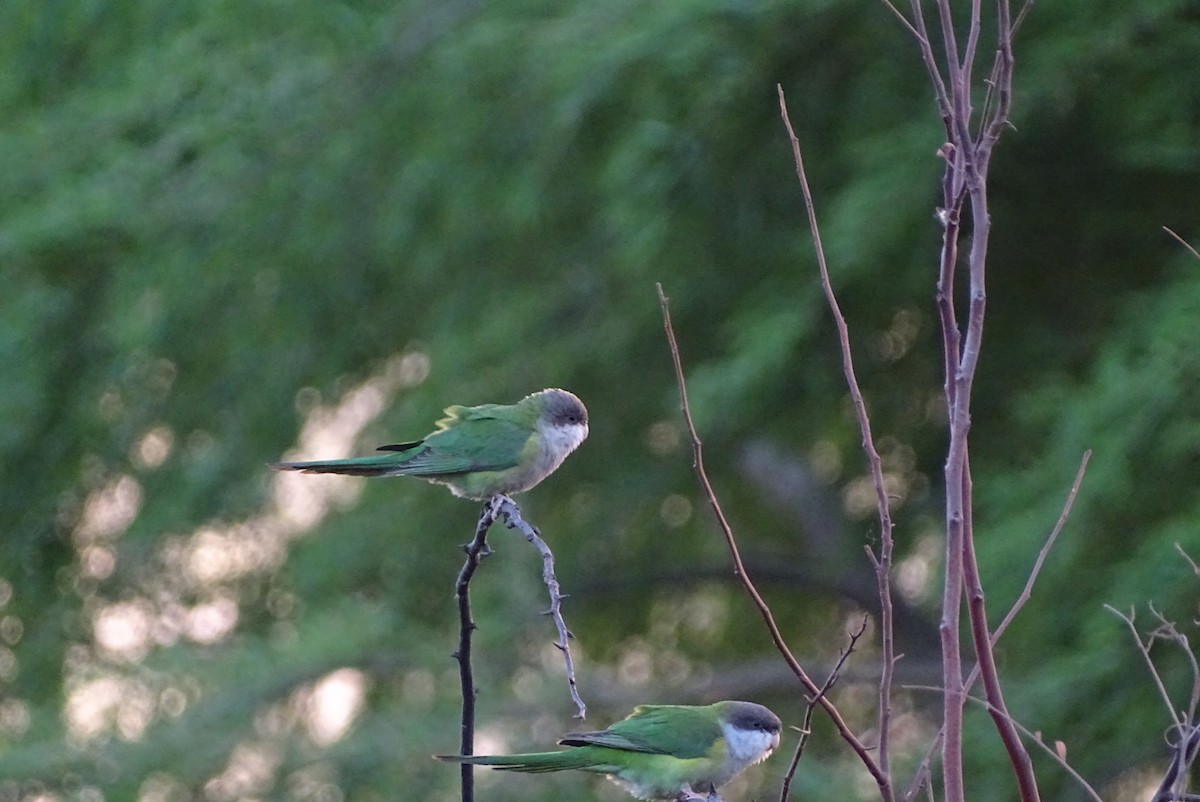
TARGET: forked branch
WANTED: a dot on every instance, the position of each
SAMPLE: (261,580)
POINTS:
(811,688)
(966,157)
(499,507)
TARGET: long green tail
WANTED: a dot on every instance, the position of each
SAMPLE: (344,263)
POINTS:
(535,762)
(384,465)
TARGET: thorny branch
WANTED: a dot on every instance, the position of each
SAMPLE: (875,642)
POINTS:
(511,514)
(476,550)
(495,508)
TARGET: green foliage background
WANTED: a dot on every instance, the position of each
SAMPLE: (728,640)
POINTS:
(217,218)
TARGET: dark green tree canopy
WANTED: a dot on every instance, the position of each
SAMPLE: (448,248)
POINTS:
(232,231)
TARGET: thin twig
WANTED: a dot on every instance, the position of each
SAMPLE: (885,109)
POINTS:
(1175,779)
(511,514)
(1144,650)
(882,564)
(811,705)
(923,776)
(1186,733)
(1002,71)
(739,569)
(927,56)
(1182,242)
(903,20)
(1166,630)
(1027,591)
(1190,561)
(1026,7)
(973,30)
(476,550)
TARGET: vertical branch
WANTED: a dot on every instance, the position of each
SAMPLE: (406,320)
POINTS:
(476,550)
(975,157)
(964,181)
(948,628)
(921,777)
(883,563)
(1017,754)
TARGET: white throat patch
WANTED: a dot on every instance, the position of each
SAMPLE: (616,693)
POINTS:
(559,441)
(747,747)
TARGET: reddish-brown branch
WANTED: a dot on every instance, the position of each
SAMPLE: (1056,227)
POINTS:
(922,775)
(883,563)
(964,183)
(739,570)
(1017,754)
(806,727)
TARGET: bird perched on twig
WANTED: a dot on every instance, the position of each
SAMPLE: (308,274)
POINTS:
(479,452)
(660,752)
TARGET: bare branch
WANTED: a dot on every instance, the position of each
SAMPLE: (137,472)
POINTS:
(495,508)
(968,61)
(953,63)
(1190,561)
(806,729)
(1167,631)
(1027,591)
(1184,736)
(922,774)
(935,74)
(1144,650)
(739,568)
(1057,755)
(882,564)
(1178,771)
(904,21)
(1002,71)
(1017,754)
(511,514)
(1025,9)
(476,550)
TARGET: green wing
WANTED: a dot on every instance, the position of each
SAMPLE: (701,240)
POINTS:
(682,732)
(467,439)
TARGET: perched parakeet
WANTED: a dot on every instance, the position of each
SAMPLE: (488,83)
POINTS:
(480,452)
(660,751)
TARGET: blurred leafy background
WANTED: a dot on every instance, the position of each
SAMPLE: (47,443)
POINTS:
(235,230)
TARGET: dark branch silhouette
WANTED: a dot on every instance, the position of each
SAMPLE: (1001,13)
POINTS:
(476,550)
(495,508)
